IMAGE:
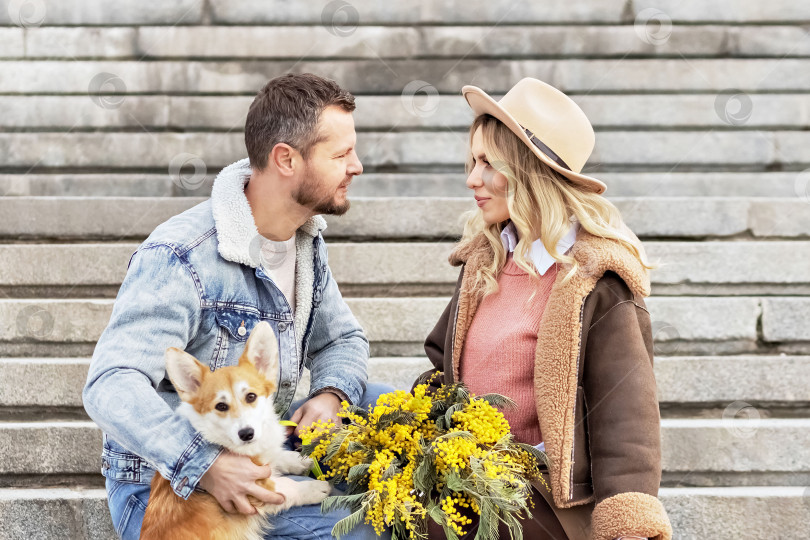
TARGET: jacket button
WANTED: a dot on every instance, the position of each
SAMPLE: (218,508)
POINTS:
(241,331)
(282,327)
(286,384)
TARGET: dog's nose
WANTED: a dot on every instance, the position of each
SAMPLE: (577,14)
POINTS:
(246,434)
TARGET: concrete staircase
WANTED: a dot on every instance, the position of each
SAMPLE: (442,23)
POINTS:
(117,115)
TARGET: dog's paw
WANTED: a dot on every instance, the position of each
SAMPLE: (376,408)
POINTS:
(317,490)
(305,464)
(295,463)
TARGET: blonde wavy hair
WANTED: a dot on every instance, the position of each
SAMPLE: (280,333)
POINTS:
(540,202)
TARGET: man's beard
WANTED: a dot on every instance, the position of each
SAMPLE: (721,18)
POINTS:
(310,195)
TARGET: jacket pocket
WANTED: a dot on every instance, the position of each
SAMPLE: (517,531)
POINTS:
(233,327)
(582,457)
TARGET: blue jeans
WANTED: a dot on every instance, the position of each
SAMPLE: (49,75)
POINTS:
(127,502)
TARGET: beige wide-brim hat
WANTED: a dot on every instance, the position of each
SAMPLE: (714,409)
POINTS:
(547,121)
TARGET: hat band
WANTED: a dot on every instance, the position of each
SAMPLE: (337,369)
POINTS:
(545,149)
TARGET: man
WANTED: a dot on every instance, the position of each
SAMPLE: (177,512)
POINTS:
(205,278)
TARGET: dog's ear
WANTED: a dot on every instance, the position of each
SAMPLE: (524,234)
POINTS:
(262,350)
(185,372)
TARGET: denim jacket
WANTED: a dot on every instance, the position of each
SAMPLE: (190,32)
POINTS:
(197,283)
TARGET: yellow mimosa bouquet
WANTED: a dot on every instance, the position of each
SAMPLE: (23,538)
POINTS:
(415,457)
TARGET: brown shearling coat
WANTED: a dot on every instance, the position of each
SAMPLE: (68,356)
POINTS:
(594,384)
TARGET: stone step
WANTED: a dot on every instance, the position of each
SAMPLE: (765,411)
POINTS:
(344,18)
(406,112)
(392,76)
(706,386)
(424,11)
(49,447)
(695,512)
(620,184)
(235,41)
(55,512)
(737,512)
(401,152)
(421,268)
(134,218)
(398,326)
(95,12)
(745,450)
(42,385)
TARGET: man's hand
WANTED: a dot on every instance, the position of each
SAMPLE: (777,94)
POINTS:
(231,478)
(324,406)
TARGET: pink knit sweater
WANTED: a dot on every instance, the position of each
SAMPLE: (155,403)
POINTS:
(499,349)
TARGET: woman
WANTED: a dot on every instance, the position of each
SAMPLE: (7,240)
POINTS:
(549,311)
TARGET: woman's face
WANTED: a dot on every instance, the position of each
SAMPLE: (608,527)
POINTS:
(489,186)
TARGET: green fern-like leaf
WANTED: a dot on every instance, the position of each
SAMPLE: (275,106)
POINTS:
(454,434)
(424,476)
(355,446)
(337,502)
(455,482)
(395,417)
(539,455)
(448,415)
(345,525)
(334,446)
(357,472)
(515,529)
(437,409)
(498,401)
(488,523)
(435,512)
(462,393)
(399,531)
(359,411)
(307,449)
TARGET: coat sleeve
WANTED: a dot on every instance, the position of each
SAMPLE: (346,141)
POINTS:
(623,422)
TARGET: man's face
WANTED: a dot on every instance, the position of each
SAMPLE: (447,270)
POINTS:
(331,165)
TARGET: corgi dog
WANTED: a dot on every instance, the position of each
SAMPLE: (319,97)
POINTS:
(231,406)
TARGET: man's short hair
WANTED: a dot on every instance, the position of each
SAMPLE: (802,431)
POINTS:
(286,110)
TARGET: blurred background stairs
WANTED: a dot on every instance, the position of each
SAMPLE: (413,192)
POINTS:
(117,115)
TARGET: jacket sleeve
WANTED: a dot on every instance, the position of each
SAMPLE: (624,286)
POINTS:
(434,348)
(624,424)
(435,343)
(338,351)
(158,306)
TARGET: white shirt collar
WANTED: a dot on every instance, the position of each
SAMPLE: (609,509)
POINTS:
(538,253)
